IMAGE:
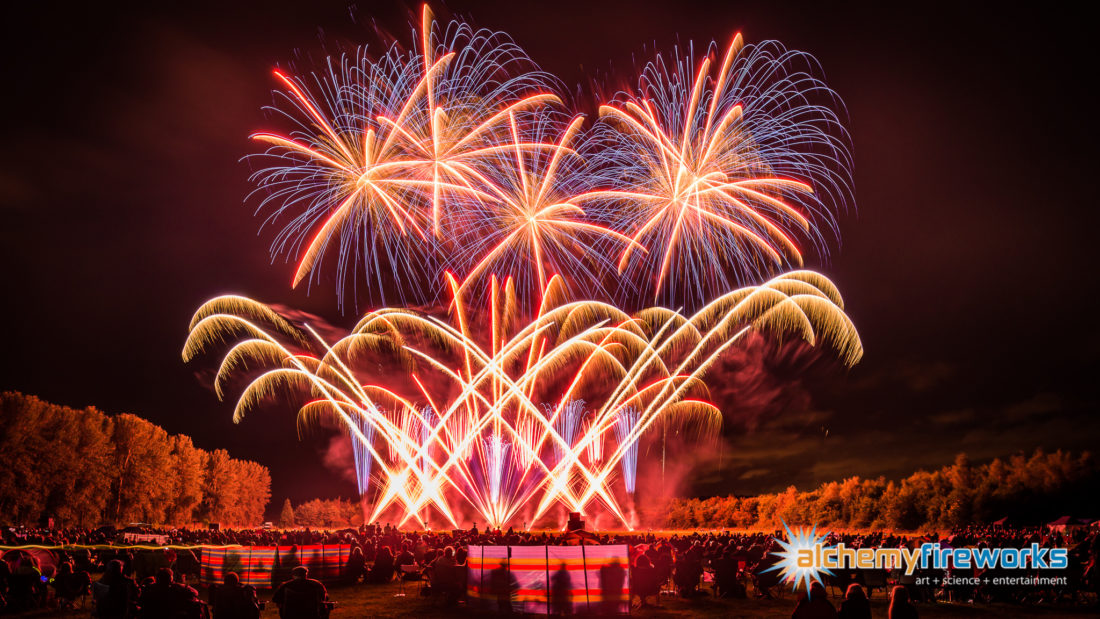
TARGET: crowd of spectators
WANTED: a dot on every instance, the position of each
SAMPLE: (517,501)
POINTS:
(158,583)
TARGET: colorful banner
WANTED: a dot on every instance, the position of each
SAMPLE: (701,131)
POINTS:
(550,579)
(268,566)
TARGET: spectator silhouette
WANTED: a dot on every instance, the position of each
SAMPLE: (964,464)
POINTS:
(612,577)
(726,584)
(689,568)
(301,597)
(115,592)
(69,584)
(284,565)
(855,604)
(814,604)
(186,564)
(503,584)
(25,588)
(382,570)
(900,608)
(403,558)
(444,575)
(165,599)
(643,582)
(356,565)
(561,591)
(232,600)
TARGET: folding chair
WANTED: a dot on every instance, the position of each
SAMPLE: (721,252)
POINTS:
(406,570)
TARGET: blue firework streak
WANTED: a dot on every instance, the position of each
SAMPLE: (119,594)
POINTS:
(362,454)
(382,151)
(566,424)
(722,167)
(624,428)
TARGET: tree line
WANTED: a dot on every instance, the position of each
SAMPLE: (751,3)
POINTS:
(322,513)
(85,468)
(1027,489)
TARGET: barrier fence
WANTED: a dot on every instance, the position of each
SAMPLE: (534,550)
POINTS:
(550,579)
(267,566)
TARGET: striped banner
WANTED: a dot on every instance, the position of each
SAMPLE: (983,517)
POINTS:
(581,579)
(268,566)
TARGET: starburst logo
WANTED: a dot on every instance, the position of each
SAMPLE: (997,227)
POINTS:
(797,565)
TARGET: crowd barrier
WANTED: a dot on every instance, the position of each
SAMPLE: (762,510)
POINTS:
(268,566)
(550,579)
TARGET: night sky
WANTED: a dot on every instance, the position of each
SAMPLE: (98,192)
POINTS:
(968,266)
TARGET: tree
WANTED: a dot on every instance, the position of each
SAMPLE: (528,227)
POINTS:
(187,461)
(87,467)
(286,516)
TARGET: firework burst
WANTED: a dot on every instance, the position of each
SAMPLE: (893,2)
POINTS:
(503,412)
(383,151)
(453,159)
(719,166)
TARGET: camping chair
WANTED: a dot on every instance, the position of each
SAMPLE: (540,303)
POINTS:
(406,573)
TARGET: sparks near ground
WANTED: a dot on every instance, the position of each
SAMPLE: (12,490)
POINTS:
(456,162)
(545,412)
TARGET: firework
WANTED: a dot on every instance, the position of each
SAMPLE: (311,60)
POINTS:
(631,372)
(454,159)
(457,156)
(383,149)
(718,167)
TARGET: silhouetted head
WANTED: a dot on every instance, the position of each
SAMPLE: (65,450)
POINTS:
(449,551)
(232,579)
(817,589)
(900,595)
(300,572)
(114,568)
(855,592)
(164,576)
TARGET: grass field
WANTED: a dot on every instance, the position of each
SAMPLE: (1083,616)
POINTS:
(380,601)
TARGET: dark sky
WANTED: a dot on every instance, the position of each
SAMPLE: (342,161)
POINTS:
(969,266)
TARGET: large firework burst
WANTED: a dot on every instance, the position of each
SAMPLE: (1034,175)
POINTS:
(506,413)
(452,159)
(720,166)
(457,156)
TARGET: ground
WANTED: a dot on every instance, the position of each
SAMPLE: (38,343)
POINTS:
(380,601)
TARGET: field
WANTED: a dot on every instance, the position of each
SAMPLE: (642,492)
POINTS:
(380,601)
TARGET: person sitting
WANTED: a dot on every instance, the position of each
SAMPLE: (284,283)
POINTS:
(726,583)
(855,604)
(382,570)
(814,604)
(232,600)
(301,597)
(900,608)
(403,563)
(688,571)
(25,588)
(444,575)
(165,599)
(114,592)
(356,565)
(69,584)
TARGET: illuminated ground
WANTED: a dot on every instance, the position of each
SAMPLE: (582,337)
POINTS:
(379,601)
